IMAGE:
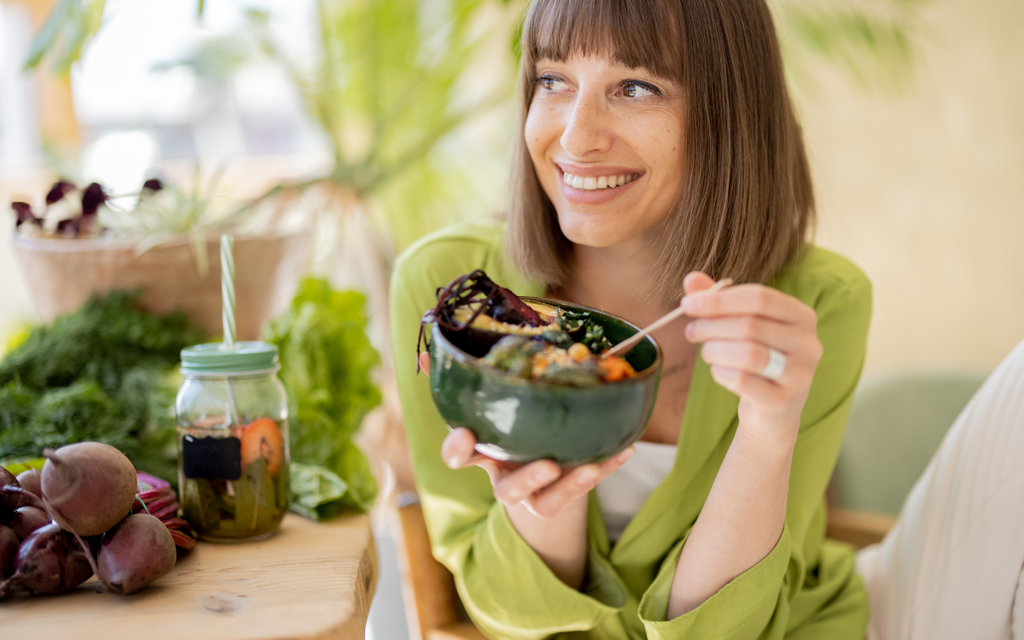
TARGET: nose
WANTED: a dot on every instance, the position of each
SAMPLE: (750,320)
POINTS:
(587,129)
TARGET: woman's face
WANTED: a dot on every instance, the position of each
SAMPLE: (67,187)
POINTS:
(606,141)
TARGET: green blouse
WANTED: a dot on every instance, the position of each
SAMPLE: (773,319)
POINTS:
(805,587)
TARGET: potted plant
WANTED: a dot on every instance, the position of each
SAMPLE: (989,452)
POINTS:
(165,242)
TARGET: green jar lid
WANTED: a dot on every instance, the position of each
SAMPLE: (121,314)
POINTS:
(216,359)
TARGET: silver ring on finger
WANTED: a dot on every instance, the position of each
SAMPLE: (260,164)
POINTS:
(776,365)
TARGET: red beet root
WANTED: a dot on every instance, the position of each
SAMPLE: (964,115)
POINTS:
(25,520)
(13,497)
(89,487)
(30,481)
(48,561)
(135,553)
(6,477)
(8,550)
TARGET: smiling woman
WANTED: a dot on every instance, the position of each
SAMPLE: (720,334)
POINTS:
(658,152)
(683,86)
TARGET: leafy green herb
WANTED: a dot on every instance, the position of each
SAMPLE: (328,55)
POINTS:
(326,361)
(254,498)
(592,335)
(560,339)
(102,373)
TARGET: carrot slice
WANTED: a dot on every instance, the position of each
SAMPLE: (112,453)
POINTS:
(262,438)
(616,368)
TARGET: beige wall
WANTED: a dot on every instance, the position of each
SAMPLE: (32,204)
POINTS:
(925,191)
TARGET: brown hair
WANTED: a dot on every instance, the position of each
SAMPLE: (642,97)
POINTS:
(747,203)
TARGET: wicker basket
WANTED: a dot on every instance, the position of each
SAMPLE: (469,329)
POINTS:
(62,274)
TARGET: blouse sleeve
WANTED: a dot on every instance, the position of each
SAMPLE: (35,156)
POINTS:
(506,588)
(759,602)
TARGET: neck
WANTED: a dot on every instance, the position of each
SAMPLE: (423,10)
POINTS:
(613,278)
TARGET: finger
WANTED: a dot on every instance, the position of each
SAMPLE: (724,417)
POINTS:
(749,299)
(745,384)
(765,331)
(425,363)
(750,357)
(512,487)
(573,485)
(697,281)
(459,449)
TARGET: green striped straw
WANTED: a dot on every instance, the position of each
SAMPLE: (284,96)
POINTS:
(227,288)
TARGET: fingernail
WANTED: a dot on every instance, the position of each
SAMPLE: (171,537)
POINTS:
(691,302)
(689,330)
(626,455)
(586,475)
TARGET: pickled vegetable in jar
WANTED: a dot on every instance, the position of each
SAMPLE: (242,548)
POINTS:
(232,415)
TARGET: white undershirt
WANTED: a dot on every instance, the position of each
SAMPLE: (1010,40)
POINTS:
(623,492)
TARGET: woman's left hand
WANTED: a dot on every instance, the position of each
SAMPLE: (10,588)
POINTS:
(739,327)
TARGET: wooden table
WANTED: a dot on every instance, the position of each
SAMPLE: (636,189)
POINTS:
(309,580)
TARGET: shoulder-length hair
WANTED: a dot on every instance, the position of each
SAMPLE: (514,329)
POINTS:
(747,202)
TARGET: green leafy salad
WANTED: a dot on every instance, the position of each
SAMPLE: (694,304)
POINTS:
(105,373)
(326,362)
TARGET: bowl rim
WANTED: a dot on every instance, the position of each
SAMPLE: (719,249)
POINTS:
(653,370)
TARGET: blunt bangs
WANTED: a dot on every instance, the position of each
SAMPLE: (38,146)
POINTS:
(634,33)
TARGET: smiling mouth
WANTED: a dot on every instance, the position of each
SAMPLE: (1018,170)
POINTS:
(591,183)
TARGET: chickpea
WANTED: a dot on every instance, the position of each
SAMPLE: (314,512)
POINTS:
(579,352)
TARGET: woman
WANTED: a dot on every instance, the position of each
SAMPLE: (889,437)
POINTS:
(659,152)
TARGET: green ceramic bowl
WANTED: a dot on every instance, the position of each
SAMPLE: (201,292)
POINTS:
(522,420)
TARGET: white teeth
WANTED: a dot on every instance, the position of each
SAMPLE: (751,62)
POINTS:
(603,182)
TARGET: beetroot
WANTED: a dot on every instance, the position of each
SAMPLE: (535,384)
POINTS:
(6,477)
(89,487)
(136,552)
(29,481)
(25,520)
(48,561)
(161,502)
(8,549)
(12,497)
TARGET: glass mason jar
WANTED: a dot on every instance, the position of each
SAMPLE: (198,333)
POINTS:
(232,441)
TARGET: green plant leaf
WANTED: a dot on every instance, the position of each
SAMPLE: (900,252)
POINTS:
(255,503)
(198,504)
(48,34)
(326,366)
(68,30)
(871,45)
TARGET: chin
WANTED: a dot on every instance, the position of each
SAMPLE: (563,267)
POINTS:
(593,231)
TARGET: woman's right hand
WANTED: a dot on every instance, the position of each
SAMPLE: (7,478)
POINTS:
(542,487)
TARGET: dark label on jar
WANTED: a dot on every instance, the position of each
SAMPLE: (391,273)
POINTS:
(211,458)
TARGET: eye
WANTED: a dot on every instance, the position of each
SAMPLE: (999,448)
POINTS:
(550,83)
(637,89)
